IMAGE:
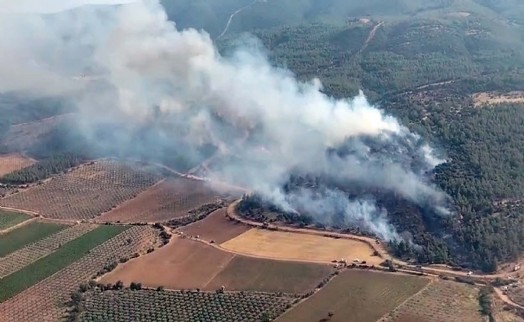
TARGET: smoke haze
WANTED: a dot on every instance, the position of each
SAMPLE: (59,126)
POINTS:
(143,73)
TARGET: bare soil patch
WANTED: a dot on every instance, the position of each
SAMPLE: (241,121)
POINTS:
(181,264)
(168,199)
(495,98)
(355,295)
(304,247)
(13,162)
(216,227)
(256,274)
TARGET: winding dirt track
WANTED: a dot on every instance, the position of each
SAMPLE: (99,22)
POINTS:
(233,16)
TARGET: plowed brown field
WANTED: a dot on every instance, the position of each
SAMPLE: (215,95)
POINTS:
(168,199)
(216,227)
(189,264)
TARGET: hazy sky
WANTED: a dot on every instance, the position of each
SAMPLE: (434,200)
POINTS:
(51,6)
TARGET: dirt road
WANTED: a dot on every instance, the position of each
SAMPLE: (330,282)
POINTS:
(371,35)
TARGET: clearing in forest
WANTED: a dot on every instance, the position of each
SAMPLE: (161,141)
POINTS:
(189,264)
(13,162)
(441,301)
(494,98)
(9,219)
(85,192)
(216,227)
(25,235)
(356,296)
(302,247)
(168,199)
(54,262)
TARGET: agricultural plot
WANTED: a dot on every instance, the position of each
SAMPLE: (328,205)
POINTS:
(13,162)
(189,264)
(150,305)
(10,219)
(359,296)
(169,199)
(296,246)
(216,227)
(441,301)
(256,274)
(25,235)
(85,192)
(31,253)
(44,301)
(62,257)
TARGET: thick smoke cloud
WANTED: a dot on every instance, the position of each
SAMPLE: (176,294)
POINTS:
(143,73)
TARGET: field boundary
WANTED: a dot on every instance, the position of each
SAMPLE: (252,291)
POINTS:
(23,223)
(231,212)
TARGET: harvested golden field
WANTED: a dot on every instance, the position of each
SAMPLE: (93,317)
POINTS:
(13,162)
(216,227)
(302,247)
(441,301)
(189,264)
(168,199)
(356,296)
(85,192)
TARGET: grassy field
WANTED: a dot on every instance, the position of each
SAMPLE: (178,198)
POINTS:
(47,266)
(9,219)
(442,301)
(25,235)
(295,246)
(359,296)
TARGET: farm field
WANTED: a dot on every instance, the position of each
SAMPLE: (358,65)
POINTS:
(516,294)
(13,162)
(44,301)
(10,219)
(296,246)
(61,258)
(171,198)
(85,192)
(151,305)
(215,227)
(247,273)
(355,295)
(30,253)
(181,264)
(441,301)
(25,235)
(189,264)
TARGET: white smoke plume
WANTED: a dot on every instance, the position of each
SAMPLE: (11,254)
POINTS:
(140,71)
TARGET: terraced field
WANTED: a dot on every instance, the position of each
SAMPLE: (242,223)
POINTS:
(150,305)
(85,192)
(169,199)
(441,301)
(359,296)
(29,254)
(45,301)
(25,235)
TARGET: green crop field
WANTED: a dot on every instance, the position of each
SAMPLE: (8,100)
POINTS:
(47,266)
(359,296)
(25,235)
(9,219)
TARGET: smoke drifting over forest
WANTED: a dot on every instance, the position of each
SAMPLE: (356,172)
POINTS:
(141,72)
